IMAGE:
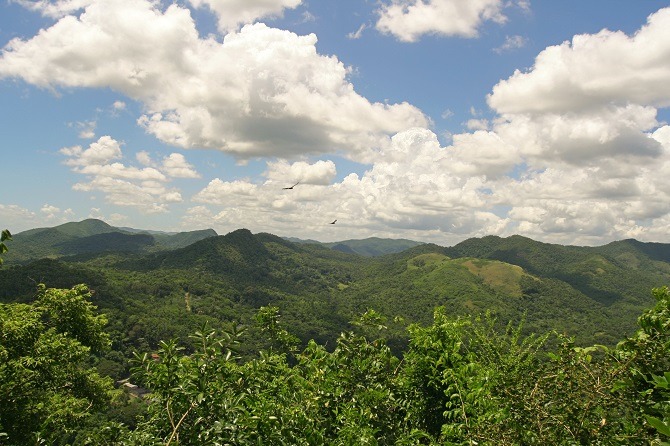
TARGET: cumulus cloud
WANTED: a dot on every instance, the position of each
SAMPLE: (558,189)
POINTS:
(146,197)
(232,13)
(320,173)
(418,188)
(176,166)
(54,8)
(594,70)
(17,218)
(55,215)
(581,133)
(238,193)
(123,185)
(591,202)
(408,20)
(263,91)
(144,158)
(414,185)
(100,152)
(114,219)
(587,137)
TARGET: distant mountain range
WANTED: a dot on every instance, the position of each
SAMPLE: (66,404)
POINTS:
(94,236)
(369,247)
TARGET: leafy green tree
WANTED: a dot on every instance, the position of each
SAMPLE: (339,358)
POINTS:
(6,236)
(462,381)
(47,389)
(342,397)
(660,420)
(647,358)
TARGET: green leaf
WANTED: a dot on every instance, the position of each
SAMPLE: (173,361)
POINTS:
(661,426)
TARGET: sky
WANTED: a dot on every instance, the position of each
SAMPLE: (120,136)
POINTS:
(431,120)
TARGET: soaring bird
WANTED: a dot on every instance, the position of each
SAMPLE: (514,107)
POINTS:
(332,222)
(288,188)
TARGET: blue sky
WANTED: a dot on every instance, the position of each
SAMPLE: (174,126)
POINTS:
(436,120)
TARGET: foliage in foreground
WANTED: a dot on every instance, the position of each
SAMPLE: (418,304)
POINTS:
(47,390)
(460,381)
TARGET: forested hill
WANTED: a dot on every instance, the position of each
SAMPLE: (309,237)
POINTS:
(94,236)
(370,247)
(606,273)
(154,292)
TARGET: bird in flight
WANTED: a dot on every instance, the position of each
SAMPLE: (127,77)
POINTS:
(291,187)
(332,222)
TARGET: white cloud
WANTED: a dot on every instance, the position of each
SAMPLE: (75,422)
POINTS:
(55,215)
(114,219)
(49,209)
(122,185)
(124,193)
(408,20)
(588,137)
(17,219)
(478,124)
(121,171)
(413,186)
(580,130)
(238,192)
(319,173)
(176,166)
(119,105)
(144,158)
(233,13)
(308,17)
(86,129)
(524,5)
(358,33)
(482,153)
(418,188)
(100,152)
(54,8)
(262,91)
(594,70)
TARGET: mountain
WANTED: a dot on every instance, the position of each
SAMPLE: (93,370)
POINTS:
(105,242)
(182,239)
(369,247)
(604,273)
(93,236)
(44,242)
(375,246)
(151,293)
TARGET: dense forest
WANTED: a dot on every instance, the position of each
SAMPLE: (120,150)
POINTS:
(194,338)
